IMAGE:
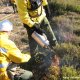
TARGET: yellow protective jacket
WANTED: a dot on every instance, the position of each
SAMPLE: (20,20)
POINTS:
(9,53)
(24,13)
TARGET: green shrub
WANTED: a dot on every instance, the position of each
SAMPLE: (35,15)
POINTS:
(66,73)
(69,54)
(69,73)
(67,49)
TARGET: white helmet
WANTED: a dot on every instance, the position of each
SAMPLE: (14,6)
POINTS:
(6,25)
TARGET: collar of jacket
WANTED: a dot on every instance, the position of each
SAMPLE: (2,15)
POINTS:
(4,35)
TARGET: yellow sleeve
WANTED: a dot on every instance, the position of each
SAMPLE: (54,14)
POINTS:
(14,54)
(23,12)
(44,2)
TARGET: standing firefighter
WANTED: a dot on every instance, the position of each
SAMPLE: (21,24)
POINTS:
(10,53)
(32,13)
(13,4)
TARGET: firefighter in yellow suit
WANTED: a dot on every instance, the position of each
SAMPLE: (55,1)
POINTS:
(9,51)
(13,4)
(34,14)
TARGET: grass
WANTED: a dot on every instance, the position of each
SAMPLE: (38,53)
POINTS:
(62,6)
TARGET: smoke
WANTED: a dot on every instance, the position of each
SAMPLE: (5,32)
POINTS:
(63,29)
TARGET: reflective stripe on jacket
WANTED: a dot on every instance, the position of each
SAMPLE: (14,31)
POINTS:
(9,52)
(23,11)
(3,65)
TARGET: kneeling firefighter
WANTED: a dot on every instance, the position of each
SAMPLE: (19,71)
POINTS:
(34,14)
(10,53)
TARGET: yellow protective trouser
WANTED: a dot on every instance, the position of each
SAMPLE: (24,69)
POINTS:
(4,76)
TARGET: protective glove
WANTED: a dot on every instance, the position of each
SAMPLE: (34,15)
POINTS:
(36,27)
(47,10)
